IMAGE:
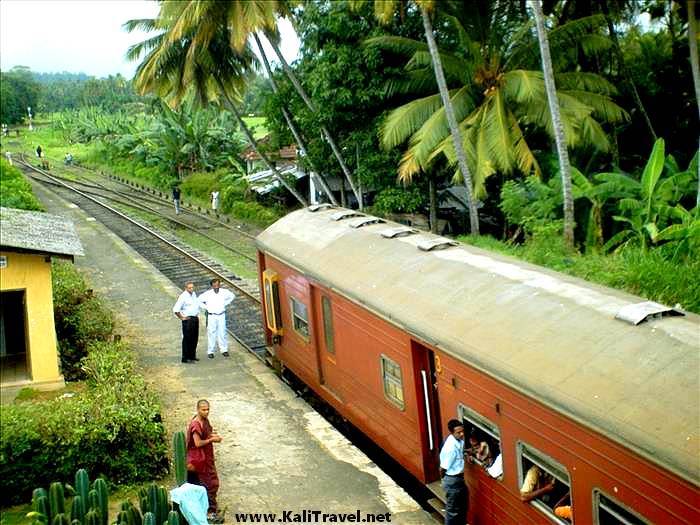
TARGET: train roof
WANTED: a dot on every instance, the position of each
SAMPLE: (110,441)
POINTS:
(552,337)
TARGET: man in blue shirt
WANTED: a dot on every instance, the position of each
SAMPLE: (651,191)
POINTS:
(452,472)
(186,309)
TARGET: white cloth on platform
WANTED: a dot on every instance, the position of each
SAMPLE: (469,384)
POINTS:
(193,502)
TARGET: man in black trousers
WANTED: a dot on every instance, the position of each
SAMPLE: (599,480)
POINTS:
(186,309)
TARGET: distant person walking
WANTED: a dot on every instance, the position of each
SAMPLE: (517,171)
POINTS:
(186,309)
(214,200)
(38,151)
(176,199)
(214,301)
(201,468)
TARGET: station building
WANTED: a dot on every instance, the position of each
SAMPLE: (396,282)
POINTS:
(28,348)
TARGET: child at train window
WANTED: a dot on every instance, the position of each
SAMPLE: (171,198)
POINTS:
(479,450)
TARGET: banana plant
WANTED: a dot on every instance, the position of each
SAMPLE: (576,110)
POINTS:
(650,206)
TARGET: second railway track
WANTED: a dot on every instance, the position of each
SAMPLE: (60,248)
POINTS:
(176,261)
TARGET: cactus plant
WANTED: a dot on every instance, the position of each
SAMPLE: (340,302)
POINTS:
(77,509)
(57,501)
(92,517)
(38,493)
(100,486)
(60,518)
(173,518)
(41,506)
(149,519)
(82,485)
(93,502)
(162,505)
(179,457)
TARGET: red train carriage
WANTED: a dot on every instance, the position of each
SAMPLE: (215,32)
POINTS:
(401,331)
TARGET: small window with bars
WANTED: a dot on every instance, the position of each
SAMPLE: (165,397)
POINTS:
(391,378)
(607,511)
(328,324)
(300,318)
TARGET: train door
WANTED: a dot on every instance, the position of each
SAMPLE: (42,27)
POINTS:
(428,408)
(329,376)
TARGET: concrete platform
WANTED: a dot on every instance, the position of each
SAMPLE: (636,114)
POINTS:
(277,453)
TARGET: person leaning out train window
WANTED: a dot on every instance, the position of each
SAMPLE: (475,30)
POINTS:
(536,484)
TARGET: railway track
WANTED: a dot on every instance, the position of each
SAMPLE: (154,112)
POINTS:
(177,261)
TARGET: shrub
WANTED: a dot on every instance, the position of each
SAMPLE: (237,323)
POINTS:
(397,200)
(200,185)
(15,190)
(112,429)
(80,318)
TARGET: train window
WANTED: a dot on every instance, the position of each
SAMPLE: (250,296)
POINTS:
(300,318)
(545,484)
(272,301)
(328,323)
(393,385)
(608,512)
(483,441)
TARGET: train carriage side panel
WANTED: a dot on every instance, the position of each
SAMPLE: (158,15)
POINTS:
(592,460)
(361,340)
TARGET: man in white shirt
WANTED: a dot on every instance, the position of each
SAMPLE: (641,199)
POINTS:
(452,472)
(186,309)
(214,301)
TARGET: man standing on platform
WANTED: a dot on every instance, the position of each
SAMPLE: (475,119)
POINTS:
(186,309)
(215,300)
(201,469)
(452,472)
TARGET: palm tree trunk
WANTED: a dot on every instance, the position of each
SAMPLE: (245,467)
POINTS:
(254,144)
(695,66)
(452,121)
(327,134)
(625,72)
(432,197)
(564,164)
(315,173)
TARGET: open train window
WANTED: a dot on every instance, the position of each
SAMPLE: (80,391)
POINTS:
(300,317)
(482,441)
(545,484)
(328,323)
(391,378)
(271,294)
(607,511)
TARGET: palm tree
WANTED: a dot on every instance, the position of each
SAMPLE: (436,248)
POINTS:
(199,63)
(312,107)
(695,66)
(244,18)
(316,174)
(384,10)
(560,137)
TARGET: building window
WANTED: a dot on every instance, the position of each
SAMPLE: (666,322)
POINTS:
(608,512)
(328,324)
(391,377)
(482,441)
(300,318)
(545,484)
